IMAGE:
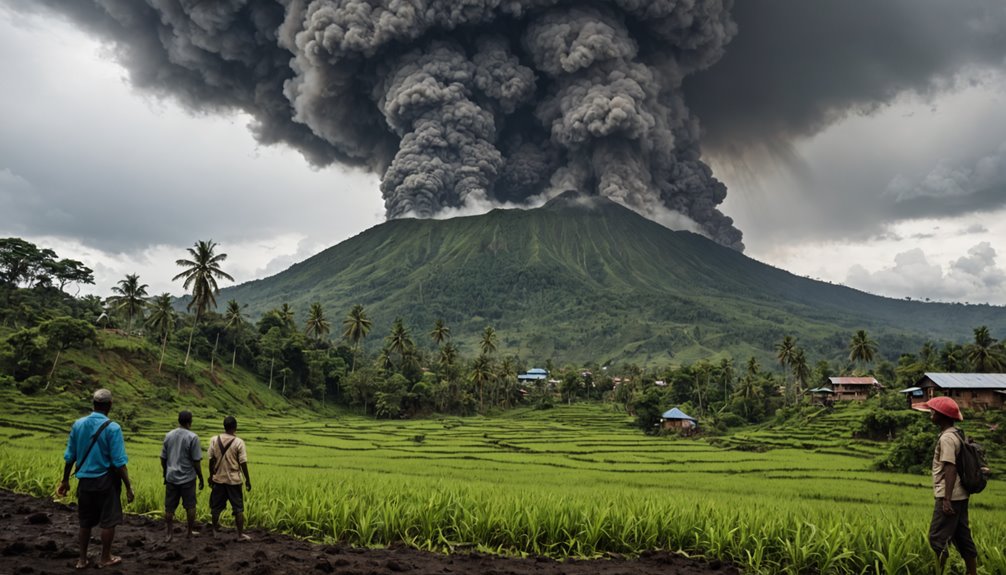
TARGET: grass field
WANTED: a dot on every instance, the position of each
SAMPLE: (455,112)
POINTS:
(574,480)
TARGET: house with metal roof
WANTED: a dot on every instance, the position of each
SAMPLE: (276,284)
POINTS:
(853,388)
(536,374)
(971,390)
(674,418)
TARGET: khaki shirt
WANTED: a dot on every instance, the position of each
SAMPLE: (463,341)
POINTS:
(228,471)
(947,448)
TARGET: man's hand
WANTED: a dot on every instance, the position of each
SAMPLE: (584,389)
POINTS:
(129,494)
(200,484)
(63,489)
(948,509)
(248,485)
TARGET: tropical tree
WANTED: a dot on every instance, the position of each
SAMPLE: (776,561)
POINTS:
(861,348)
(481,375)
(286,314)
(440,333)
(233,320)
(801,372)
(129,298)
(201,273)
(161,321)
(488,342)
(356,326)
(985,355)
(785,352)
(399,342)
(317,326)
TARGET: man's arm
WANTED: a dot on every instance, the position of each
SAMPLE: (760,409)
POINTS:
(950,481)
(64,485)
(244,468)
(124,476)
(198,464)
(164,469)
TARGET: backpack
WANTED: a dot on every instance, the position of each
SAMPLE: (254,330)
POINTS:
(972,465)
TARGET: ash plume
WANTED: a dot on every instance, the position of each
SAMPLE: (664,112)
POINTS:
(502,100)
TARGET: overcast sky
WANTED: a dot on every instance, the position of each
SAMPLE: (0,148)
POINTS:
(897,188)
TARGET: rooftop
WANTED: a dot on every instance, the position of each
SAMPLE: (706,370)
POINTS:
(854,380)
(966,380)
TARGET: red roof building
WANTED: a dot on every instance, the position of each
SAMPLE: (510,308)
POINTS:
(853,388)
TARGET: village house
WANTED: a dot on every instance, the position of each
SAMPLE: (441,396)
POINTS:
(853,388)
(674,418)
(970,390)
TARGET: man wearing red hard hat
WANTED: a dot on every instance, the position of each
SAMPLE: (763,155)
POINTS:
(950,515)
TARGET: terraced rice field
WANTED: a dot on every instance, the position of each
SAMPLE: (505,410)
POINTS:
(574,480)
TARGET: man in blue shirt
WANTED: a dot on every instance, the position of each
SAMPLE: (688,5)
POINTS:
(181,465)
(96,446)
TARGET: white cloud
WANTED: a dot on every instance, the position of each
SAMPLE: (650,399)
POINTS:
(950,179)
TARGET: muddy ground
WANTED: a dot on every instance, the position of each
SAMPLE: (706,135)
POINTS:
(39,537)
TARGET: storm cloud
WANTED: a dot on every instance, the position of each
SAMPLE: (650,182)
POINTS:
(448,102)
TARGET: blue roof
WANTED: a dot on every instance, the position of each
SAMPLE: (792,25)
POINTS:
(537,371)
(675,413)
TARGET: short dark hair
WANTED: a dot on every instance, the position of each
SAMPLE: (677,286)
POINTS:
(185,417)
(230,423)
(102,406)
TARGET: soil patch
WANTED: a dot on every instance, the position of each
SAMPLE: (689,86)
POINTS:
(39,537)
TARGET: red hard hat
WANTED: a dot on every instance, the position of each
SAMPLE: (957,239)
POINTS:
(943,405)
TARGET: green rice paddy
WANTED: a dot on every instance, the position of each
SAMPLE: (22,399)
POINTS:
(570,481)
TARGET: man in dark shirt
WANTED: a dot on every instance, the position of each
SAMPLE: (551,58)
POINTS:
(96,445)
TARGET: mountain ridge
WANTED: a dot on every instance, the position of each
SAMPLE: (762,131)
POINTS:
(583,278)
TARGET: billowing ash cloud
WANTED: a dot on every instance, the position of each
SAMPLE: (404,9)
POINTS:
(490,99)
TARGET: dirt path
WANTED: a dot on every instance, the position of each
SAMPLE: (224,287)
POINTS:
(38,537)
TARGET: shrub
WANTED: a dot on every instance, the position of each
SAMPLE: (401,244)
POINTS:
(884,424)
(912,452)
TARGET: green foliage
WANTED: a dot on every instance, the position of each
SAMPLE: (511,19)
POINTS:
(880,423)
(912,451)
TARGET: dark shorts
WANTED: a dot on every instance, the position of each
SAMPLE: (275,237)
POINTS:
(952,528)
(221,494)
(173,492)
(99,501)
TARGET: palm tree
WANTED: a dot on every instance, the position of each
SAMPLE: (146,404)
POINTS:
(233,321)
(482,373)
(448,355)
(317,326)
(286,314)
(440,333)
(508,377)
(129,298)
(801,372)
(785,352)
(862,348)
(201,274)
(356,326)
(400,342)
(162,321)
(984,354)
(488,343)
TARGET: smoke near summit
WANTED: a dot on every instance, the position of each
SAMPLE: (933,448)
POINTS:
(450,101)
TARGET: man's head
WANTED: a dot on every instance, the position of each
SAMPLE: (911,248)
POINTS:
(185,419)
(230,424)
(102,400)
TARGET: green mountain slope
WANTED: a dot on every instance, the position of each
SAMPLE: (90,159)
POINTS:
(585,279)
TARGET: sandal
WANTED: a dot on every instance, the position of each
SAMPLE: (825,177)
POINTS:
(82,564)
(115,560)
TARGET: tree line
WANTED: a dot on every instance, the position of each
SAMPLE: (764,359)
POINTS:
(319,359)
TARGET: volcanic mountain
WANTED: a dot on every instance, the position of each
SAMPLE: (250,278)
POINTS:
(583,279)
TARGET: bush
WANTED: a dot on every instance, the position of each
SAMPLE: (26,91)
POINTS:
(884,424)
(31,385)
(913,450)
(732,420)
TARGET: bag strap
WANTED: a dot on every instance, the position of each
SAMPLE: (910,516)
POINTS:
(223,451)
(94,439)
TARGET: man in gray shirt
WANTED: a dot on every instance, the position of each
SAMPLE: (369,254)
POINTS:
(181,463)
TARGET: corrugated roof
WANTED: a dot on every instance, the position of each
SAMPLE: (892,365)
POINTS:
(910,390)
(675,413)
(853,380)
(967,380)
(537,370)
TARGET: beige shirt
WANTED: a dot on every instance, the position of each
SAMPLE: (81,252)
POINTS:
(228,471)
(947,448)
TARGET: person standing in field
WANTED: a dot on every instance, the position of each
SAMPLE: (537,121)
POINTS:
(96,446)
(228,461)
(950,515)
(181,465)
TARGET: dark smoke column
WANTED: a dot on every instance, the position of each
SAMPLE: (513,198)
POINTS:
(450,101)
